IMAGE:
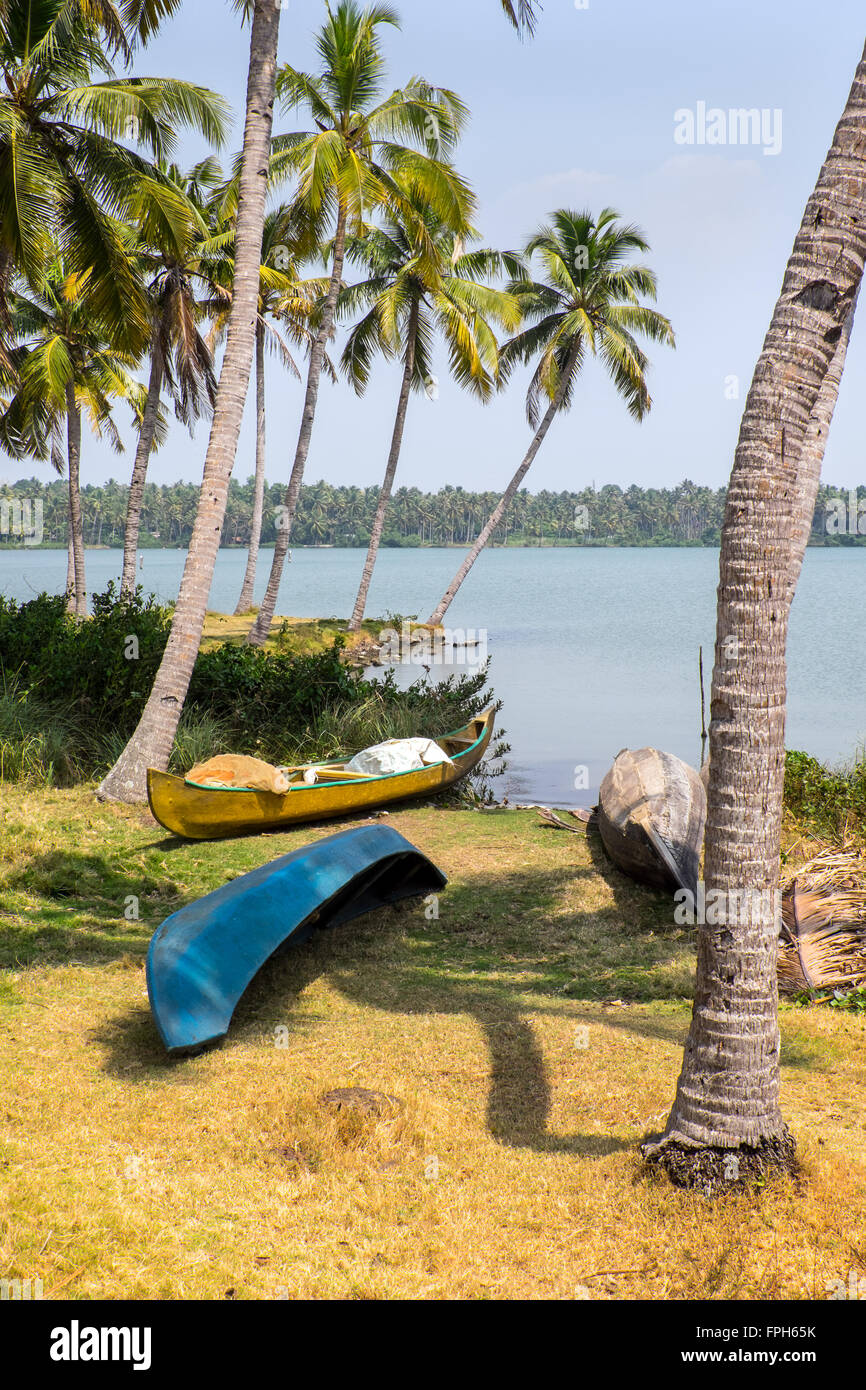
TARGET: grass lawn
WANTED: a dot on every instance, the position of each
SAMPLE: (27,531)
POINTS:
(297,636)
(533,1032)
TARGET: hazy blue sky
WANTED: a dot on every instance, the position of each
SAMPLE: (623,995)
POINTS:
(584,115)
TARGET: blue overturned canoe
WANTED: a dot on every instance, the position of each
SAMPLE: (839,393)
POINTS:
(203,957)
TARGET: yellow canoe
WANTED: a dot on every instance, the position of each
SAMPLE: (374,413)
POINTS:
(210,813)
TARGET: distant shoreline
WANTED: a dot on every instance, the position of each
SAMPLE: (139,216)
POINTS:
(831,543)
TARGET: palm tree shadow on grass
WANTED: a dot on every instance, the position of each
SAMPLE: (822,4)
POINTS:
(72,885)
(395,961)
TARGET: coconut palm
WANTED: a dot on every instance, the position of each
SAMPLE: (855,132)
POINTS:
(152,740)
(285,307)
(348,166)
(173,259)
(587,303)
(728,1091)
(66,365)
(66,177)
(415,291)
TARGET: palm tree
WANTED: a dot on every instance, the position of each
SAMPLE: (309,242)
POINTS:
(285,307)
(66,178)
(414,291)
(728,1091)
(589,301)
(170,255)
(65,363)
(348,166)
(152,741)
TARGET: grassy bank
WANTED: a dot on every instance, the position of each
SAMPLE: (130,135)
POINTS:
(533,1033)
(294,636)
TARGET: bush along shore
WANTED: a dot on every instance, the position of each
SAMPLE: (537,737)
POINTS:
(72,692)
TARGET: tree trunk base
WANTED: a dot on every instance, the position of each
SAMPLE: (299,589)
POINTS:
(714,1170)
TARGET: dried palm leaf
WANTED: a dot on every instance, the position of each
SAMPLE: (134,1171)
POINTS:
(822,944)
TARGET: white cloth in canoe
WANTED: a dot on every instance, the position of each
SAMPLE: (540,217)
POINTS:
(398,755)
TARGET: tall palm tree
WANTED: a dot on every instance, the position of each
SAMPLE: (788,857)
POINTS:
(285,308)
(347,167)
(152,740)
(170,255)
(65,364)
(66,177)
(413,291)
(728,1091)
(588,302)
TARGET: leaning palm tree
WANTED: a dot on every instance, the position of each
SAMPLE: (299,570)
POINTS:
(727,1103)
(348,166)
(65,365)
(153,738)
(415,290)
(66,176)
(172,257)
(587,303)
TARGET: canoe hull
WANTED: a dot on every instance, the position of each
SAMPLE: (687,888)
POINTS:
(203,957)
(202,813)
(651,816)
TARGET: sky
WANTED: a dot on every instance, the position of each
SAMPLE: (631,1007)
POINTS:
(594,111)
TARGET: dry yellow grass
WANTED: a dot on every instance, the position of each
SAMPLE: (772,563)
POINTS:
(533,1032)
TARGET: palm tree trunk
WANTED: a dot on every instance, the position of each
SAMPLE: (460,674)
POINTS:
(139,470)
(814,445)
(260,630)
(151,744)
(245,602)
(728,1092)
(76,526)
(70,569)
(497,514)
(388,483)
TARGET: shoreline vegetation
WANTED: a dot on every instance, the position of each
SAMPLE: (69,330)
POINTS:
(338,517)
(72,690)
(306,693)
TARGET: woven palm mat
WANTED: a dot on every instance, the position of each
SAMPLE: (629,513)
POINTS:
(823,939)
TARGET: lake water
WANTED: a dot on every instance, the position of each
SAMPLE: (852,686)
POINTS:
(592,650)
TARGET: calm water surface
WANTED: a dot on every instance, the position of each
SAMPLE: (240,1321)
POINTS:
(593,650)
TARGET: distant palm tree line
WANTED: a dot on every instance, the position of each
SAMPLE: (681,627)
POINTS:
(343,516)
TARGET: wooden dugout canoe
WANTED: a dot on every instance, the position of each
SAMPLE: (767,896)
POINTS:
(209,813)
(652,810)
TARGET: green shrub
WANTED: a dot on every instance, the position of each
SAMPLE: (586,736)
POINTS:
(72,692)
(827,799)
(104,665)
(266,698)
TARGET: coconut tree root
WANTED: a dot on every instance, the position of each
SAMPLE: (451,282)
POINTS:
(712,1170)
